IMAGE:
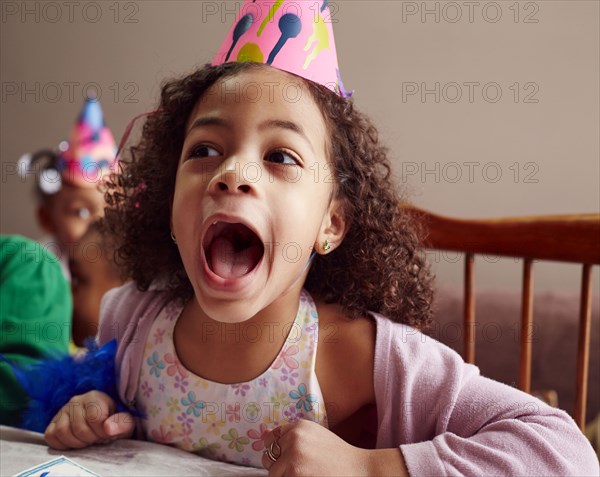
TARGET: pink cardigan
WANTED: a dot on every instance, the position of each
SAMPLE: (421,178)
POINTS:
(444,416)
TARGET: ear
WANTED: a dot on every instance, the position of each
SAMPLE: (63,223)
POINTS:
(333,228)
(44,219)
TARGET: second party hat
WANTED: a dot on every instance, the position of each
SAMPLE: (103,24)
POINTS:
(90,152)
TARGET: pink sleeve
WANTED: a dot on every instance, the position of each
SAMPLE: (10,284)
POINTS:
(449,420)
(126,314)
(117,310)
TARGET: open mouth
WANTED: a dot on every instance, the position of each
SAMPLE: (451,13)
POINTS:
(232,250)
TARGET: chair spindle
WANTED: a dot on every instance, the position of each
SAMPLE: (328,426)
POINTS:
(469,311)
(526,327)
(583,346)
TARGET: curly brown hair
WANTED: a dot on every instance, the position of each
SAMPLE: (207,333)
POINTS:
(378,267)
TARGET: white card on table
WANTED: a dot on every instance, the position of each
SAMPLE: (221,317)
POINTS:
(61,466)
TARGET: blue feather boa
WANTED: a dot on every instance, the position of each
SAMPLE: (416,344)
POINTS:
(52,382)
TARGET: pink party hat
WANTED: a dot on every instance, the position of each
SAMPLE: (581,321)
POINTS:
(85,160)
(294,36)
(89,156)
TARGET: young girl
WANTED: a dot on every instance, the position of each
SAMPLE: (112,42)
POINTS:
(67,181)
(259,223)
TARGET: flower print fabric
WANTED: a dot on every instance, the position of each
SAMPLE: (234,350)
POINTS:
(229,421)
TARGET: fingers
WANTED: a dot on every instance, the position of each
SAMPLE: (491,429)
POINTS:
(273,450)
(81,422)
(306,448)
(59,434)
(276,433)
(270,461)
(97,408)
(276,469)
(119,426)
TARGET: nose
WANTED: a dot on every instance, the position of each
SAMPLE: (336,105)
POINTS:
(232,177)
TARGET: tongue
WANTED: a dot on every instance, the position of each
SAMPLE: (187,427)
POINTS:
(226,262)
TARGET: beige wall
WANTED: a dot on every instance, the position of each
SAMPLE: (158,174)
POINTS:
(533,150)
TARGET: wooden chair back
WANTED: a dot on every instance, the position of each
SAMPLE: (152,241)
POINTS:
(566,238)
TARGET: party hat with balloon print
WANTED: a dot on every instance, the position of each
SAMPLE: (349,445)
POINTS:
(293,36)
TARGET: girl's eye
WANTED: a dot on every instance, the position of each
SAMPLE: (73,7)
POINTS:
(204,151)
(281,157)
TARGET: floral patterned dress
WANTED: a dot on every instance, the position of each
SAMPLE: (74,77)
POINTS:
(228,422)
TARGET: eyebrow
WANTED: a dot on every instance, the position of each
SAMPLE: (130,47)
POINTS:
(268,124)
(287,125)
(208,121)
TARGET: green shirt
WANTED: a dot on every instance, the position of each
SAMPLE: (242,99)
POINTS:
(35,314)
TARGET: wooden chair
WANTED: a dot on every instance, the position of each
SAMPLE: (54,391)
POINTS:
(566,238)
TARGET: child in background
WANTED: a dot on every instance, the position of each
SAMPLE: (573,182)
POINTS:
(93,273)
(67,181)
(35,315)
(263,233)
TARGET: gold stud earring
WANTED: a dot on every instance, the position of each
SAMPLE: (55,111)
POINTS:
(327,245)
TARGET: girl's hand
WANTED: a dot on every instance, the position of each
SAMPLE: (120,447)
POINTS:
(305,448)
(84,421)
